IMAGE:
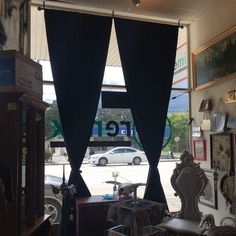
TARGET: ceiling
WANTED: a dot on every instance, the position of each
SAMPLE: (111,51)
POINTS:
(169,11)
(184,10)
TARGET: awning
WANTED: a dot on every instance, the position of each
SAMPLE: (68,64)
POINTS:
(39,46)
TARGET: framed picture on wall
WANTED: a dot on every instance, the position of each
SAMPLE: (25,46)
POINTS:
(209,197)
(222,151)
(196,132)
(199,149)
(215,62)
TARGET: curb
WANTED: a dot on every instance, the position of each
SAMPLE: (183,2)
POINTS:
(169,160)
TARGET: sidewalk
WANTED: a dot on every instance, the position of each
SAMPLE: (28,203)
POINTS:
(170,160)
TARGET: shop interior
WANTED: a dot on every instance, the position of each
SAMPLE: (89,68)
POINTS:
(170,53)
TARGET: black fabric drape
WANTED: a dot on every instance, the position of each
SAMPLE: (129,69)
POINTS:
(147,52)
(78,45)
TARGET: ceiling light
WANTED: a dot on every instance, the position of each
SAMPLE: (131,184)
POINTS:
(136,2)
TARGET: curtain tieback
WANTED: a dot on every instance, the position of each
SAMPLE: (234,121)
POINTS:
(74,172)
(153,167)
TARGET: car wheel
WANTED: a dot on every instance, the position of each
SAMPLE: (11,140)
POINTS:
(52,207)
(102,161)
(137,160)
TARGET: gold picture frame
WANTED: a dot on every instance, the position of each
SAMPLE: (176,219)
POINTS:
(215,61)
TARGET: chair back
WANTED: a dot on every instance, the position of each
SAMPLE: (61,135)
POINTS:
(189,181)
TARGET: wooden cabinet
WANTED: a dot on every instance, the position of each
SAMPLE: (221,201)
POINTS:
(91,213)
(22,155)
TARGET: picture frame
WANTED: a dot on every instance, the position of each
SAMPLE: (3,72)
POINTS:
(196,132)
(209,197)
(214,62)
(222,152)
(199,149)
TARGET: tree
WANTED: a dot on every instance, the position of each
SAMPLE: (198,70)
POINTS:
(104,115)
(51,114)
(179,121)
(116,114)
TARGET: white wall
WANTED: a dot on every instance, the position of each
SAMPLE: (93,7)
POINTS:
(220,17)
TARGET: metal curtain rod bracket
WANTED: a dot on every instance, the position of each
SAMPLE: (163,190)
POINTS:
(43,7)
(179,25)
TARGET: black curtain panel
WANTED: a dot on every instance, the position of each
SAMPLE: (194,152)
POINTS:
(147,52)
(78,45)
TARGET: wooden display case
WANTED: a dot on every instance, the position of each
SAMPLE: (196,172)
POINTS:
(22,154)
(91,214)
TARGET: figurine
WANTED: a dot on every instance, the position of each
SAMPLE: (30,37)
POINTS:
(126,189)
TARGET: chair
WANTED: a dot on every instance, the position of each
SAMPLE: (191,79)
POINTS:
(189,181)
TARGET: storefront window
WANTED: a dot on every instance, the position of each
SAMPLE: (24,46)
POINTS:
(175,142)
(128,163)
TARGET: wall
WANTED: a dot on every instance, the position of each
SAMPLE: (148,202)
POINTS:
(220,17)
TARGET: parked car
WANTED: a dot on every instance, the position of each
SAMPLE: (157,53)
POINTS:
(52,201)
(118,155)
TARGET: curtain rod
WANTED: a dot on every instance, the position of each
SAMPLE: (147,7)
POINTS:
(104,12)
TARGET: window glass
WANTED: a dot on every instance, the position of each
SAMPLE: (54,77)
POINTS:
(180,79)
(118,151)
(176,137)
(113,76)
(129,150)
(96,177)
(178,115)
(47,72)
(49,94)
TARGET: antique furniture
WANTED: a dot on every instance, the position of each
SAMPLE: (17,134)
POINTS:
(91,213)
(150,230)
(136,215)
(228,221)
(42,226)
(22,163)
(189,181)
(227,187)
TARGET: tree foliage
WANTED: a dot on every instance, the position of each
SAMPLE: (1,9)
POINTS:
(51,114)
(116,114)
(179,121)
(104,115)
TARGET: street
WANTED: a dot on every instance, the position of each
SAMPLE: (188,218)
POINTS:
(95,177)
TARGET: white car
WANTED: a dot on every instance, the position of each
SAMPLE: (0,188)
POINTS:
(118,155)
